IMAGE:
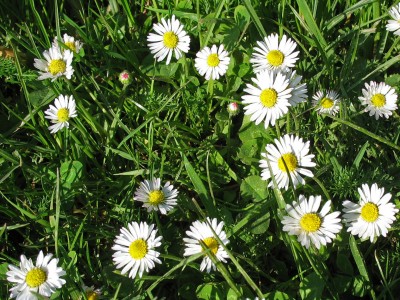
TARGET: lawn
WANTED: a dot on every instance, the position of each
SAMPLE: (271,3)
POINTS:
(196,149)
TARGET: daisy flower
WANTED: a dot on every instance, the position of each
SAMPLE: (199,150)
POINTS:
(394,25)
(42,278)
(169,38)
(372,216)
(379,98)
(155,197)
(55,64)
(135,249)
(299,90)
(309,224)
(212,63)
(63,109)
(274,54)
(288,157)
(326,102)
(91,293)
(201,231)
(69,42)
(268,100)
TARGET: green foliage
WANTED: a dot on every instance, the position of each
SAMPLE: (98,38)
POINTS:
(69,193)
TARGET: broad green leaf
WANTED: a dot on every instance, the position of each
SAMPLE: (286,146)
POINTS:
(311,287)
(242,16)
(210,291)
(249,152)
(342,283)
(393,80)
(40,97)
(71,172)
(254,187)
(276,296)
(249,130)
(3,270)
(360,286)
(344,264)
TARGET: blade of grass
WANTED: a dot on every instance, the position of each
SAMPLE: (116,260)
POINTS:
(340,17)
(385,283)
(255,18)
(366,132)
(200,188)
(314,29)
(360,264)
(182,263)
(211,29)
(39,22)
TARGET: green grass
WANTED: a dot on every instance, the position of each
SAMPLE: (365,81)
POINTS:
(69,193)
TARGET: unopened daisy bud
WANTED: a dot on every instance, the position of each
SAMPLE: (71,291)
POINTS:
(125,77)
(233,109)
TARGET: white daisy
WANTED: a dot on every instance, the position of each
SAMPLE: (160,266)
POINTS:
(170,38)
(309,224)
(212,63)
(379,98)
(394,25)
(268,100)
(274,54)
(91,293)
(42,278)
(69,42)
(326,102)
(55,64)
(201,231)
(299,90)
(289,156)
(373,215)
(63,109)
(156,198)
(135,249)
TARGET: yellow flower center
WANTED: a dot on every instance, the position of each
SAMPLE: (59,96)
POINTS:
(57,66)
(370,212)
(213,60)
(275,57)
(35,277)
(156,197)
(170,40)
(378,100)
(211,244)
(327,103)
(290,160)
(63,115)
(71,45)
(138,249)
(310,222)
(92,295)
(268,97)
